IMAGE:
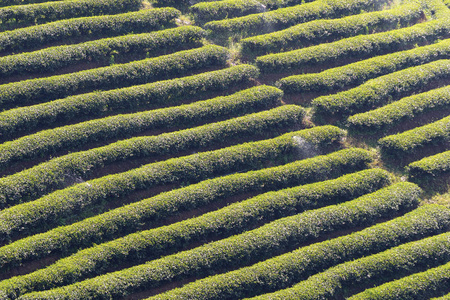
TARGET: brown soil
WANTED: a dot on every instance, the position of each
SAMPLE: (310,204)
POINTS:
(29,267)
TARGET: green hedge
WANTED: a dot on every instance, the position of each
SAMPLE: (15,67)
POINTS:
(193,168)
(54,58)
(26,15)
(93,27)
(129,218)
(417,286)
(363,46)
(266,124)
(378,91)
(413,140)
(319,31)
(445,297)
(269,4)
(208,11)
(113,77)
(72,137)
(394,113)
(22,2)
(238,250)
(331,283)
(282,271)
(429,167)
(231,220)
(98,104)
(282,18)
(359,72)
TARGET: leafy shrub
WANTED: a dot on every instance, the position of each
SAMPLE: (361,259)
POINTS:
(282,271)
(359,72)
(40,90)
(231,220)
(429,167)
(329,284)
(71,137)
(37,36)
(399,111)
(26,15)
(417,286)
(193,168)
(319,31)
(54,58)
(97,104)
(129,218)
(282,18)
(363,46)
(414,139)
(378,91)
(239,250)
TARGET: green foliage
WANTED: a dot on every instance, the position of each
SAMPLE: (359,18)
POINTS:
(40,90)
(94,27)
(54,58)
(413,140)
(445,297)
(239,250)
(394,113)
(282,271)
(417,286)
(319,31)
(71,137)
(22,2)
(429,167)
(25,15)
(285,17)
(359,72)
(327,285)
(161,93)
(362,46)
(231,220)
(46,177)
(129,218)
(208,11)
(380,90)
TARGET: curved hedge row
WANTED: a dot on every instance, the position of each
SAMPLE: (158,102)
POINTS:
(329,284)
(26,15)
(193,168)
(358,72)
(363,46)
(285,17)
(414,139)
(269,4)
(97,104)
(239,250)
(396,112)
(71,137)
(429,167)
(22,2)
(129,218)
(208,11)
(230,220)
(445,297)
(54,58)
(266,123)
(282,271)
(319,31)
(41,90)
(417,286)
(39,35)
(378,91)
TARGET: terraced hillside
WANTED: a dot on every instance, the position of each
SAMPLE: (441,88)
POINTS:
(269,149)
